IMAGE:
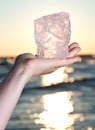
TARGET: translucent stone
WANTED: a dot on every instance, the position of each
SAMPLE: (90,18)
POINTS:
(52,35)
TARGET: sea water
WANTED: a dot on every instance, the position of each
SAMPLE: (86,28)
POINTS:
(69,105)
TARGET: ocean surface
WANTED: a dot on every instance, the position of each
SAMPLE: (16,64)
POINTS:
(63,100)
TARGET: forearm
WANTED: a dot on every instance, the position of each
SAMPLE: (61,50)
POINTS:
(10,91)
(12,86)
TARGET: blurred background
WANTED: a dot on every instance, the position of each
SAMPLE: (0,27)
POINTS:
(65,99)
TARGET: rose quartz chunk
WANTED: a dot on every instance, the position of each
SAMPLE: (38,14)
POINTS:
(52,35)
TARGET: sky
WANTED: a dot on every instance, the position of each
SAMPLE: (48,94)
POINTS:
(17,23)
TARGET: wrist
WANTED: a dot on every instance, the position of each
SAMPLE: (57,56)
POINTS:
(24,71)
(27,71)
(15,76)
(20,73)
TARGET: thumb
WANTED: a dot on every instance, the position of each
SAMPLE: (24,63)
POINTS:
(68,61)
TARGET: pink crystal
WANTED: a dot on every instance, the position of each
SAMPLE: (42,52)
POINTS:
(52,35)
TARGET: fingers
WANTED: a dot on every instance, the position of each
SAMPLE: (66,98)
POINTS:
(73,45)
(68,61)
(72,60)
(74,51)
(56,63)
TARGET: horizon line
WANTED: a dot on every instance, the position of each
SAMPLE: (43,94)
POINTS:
(14,56)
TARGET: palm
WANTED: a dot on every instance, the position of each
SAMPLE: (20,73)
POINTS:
(38,66)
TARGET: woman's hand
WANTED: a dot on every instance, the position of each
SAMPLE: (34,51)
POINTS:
(35,66)
(27,66)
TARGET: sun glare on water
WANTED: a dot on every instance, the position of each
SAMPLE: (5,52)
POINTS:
(56,77)
(57,107)
(57,112)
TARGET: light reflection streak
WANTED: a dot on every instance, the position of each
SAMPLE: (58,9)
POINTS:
(91,61)
(57,107)
(56,77)
(59,76)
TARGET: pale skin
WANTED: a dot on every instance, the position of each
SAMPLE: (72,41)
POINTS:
(25,68)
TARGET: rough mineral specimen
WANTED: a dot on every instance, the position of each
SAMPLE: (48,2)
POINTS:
(52,35)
